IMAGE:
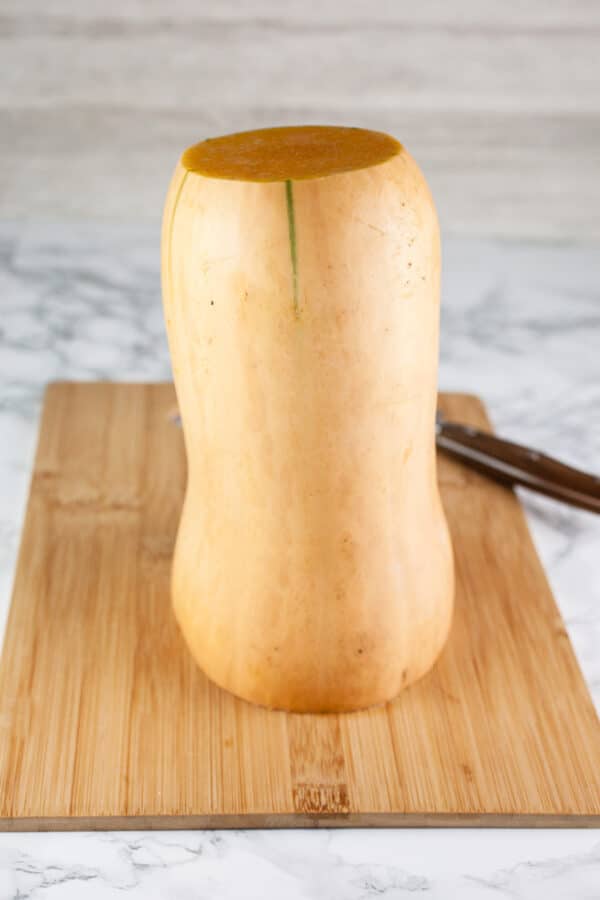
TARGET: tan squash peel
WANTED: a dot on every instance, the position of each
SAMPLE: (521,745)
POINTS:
(313,568)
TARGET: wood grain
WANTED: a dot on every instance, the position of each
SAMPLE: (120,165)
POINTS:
(499,103)
(106,723)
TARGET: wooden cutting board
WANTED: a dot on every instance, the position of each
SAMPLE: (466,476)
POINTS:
(105,721)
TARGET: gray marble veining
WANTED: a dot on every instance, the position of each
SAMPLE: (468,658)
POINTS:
(302,865)
(520,327)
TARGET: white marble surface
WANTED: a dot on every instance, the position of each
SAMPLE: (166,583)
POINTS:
(520,327)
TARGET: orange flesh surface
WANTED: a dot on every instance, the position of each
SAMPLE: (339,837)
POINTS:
(290,153)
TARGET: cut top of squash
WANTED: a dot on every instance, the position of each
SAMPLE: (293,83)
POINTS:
(290,153)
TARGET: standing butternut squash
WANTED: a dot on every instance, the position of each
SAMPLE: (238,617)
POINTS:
(313,568)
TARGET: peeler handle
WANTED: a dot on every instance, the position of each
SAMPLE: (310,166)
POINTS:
(514,464)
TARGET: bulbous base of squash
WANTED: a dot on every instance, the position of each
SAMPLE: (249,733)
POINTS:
(334,699)
(300,666)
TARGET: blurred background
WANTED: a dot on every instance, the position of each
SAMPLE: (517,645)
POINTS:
(499,102)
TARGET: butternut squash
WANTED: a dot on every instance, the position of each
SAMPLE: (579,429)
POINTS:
(313,568)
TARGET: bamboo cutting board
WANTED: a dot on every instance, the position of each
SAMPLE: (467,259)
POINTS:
(105,722)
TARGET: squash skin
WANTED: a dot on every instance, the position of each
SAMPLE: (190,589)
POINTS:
(313,568)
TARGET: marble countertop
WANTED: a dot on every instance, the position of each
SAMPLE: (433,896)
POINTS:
(520,326)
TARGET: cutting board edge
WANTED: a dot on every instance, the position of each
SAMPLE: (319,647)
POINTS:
(293,820)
